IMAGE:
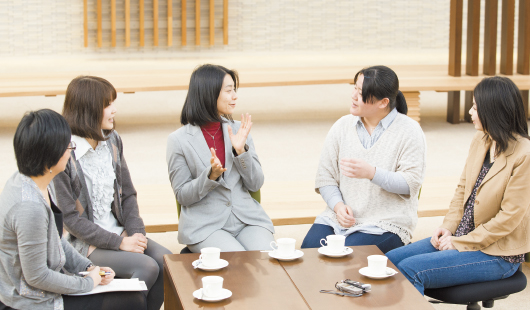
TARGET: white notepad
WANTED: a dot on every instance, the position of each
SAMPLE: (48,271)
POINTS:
(117,285)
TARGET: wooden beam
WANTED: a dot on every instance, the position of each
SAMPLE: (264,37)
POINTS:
(155,22)
(197,22)
(225,22)
(100,24)
(212,22)
(455,37)
(113,22)
(453,107)
(473,33)
(142,23)
(490,38)
(169,23)
(523,45)
(183,23)
(507,33)
(127,23)
(85,21)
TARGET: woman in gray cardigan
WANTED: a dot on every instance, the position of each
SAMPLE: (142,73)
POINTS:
(96,194)
(212,165)
(36,266)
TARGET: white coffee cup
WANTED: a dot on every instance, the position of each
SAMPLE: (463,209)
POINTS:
(210,256)
(212,286)
(377,264)
(284,247)
(335,243)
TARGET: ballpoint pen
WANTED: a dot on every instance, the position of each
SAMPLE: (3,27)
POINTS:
(101,273)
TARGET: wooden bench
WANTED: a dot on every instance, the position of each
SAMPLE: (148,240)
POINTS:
(413,79)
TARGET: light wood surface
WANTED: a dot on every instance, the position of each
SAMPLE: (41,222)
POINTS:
(127,23)
(100,23)
(212,22)
(85,21)
(169,23)
(507,36)
(256,281)
(197,22)
(113,22)
(225,22)
(155,22)
(142,22)
(183,23)
(314,272)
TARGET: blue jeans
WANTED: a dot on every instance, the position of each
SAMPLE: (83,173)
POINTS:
(385,242)
(426,267)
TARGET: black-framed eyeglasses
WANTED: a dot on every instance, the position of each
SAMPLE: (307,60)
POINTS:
(71,146)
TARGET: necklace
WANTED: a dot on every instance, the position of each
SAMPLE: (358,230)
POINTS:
(213,137)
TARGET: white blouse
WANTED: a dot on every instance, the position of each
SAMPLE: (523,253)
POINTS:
(99,178)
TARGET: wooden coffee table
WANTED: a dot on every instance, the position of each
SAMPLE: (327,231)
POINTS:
(318,272)
(260,282)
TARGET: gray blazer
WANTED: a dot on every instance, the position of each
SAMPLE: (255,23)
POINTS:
(207,204)
(36,266)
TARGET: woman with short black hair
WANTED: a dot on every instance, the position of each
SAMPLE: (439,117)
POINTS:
(371,168)
(212,165)
(37,267)
(484,235)
(97,195)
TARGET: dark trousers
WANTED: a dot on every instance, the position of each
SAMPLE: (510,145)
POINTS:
(385,242)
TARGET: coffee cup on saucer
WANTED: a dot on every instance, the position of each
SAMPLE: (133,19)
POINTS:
(210,257)
(377,264)
(335,243)
(284,247)
(212,286)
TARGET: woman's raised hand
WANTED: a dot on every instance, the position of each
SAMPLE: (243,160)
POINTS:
(344,215)
(240,138)
(217,167)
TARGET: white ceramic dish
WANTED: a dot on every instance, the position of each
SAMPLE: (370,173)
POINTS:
(297,254)
(366,272)
(222,264)
(224,295)
(325,251)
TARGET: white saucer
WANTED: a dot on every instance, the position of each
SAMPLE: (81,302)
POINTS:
(221,265)
(297,254)
(325,251)
(224,295)
(366,272)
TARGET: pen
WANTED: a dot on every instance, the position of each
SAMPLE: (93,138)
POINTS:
(101,273)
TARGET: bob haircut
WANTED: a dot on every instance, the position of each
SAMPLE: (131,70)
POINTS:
(86,98)
(382,82)
(200,107)
(40,141)
(501,111)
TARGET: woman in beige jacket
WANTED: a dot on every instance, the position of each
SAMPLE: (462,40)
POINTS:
(484,235)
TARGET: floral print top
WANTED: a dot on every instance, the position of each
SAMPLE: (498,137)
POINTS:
(467,224)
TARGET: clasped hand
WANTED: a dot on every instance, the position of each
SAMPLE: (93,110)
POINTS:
(136,243)
(344,215)
(356,168)
(441,240)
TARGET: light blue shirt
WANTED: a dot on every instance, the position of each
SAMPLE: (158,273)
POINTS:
(388,180)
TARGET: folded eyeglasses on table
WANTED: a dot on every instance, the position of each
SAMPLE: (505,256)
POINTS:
(349,288)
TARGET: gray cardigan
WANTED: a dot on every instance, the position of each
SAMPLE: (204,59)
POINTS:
(207,204)
(74,202)
(36,266)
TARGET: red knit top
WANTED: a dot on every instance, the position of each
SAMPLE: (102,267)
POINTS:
(213,134)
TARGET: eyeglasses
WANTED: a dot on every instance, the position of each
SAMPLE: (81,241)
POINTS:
(71,146)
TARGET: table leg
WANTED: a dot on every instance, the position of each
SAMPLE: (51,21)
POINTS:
(525,93)
(171,299)
(413,104)
(467,105)
(453,107)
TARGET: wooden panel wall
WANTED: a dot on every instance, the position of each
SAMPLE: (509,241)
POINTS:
(473,32)
(197,22)
(455,38)
(155,22)
(169,23)
(184,23)
(490,38)
(523,46)
(507,33)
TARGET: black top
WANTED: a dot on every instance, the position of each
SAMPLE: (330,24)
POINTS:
(58,217)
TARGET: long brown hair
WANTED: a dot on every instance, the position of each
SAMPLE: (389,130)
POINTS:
(86,98)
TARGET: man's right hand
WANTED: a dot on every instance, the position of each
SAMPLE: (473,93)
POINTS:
(344,215)
(136,243)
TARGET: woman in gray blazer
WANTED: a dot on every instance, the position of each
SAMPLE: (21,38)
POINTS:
(212,165)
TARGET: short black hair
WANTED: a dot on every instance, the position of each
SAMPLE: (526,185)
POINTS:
(501,110)
(86,98)
(200,107)
(382,82)
(40,141)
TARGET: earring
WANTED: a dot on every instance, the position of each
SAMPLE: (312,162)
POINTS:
(50,170)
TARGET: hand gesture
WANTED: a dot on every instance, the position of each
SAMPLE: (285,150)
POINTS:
(344,215)
(106,279)
(356,168)
(136,243)
(217,167)
(446,243)
(240,138)
(438,234)
(94,274)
